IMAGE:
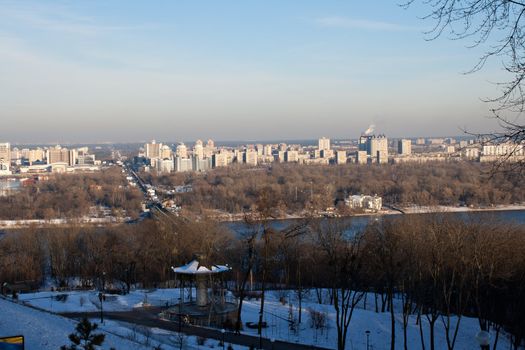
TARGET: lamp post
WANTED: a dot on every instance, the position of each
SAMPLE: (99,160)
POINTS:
(367,340)
(223,331)
(260,330)
(483,338)
(272,341)
(101,299)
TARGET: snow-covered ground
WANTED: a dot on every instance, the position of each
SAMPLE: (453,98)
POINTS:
(45,331)
(277,315)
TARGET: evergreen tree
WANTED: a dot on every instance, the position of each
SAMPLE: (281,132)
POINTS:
(84,338)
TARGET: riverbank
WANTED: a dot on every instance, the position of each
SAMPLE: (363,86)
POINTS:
(227,217)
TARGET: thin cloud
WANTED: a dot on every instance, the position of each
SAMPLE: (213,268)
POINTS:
(349,23)
(63,20)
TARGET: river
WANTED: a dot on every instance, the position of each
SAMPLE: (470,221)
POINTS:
(357,223)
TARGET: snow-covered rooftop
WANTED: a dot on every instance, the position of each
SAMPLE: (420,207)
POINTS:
(194,268)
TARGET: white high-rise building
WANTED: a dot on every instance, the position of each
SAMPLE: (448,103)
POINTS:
(5,152)
(340,157)
(183,164)
(267,150)
(361,157)
(165,152)
(198,150)
(324,143)
(404,147)
(182,151)
(152,149)
(291,156)
(73,156)
(219,160)
(250,157)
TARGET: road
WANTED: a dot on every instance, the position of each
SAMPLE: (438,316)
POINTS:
(148,317)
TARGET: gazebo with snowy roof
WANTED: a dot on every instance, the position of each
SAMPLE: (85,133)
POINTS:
(210,307)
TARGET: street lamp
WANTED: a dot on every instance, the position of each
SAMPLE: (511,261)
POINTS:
(260,329)
(272,340)
(101,298)
(367,340)
(223,331)
(483,338)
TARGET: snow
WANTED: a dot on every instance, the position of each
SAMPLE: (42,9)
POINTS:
(46,331)
(87,301)
(193,268)
(43,331)
(277,313)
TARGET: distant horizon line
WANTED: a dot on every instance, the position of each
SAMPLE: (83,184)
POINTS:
(238,141)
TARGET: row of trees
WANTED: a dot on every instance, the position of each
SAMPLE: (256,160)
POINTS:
(435,266)
(236,188)
(72,195)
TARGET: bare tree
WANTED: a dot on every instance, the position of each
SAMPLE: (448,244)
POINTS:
(344,264)
(496,26)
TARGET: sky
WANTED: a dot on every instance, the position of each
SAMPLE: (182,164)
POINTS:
(179,70)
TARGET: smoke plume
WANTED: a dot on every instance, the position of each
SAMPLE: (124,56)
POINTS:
(370,129)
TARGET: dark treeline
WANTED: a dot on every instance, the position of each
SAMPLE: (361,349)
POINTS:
(71,195)
(297,187)
(437,266)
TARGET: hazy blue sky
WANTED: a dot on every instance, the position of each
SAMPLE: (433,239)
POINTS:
(83,71)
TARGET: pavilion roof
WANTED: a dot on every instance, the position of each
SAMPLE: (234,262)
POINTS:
(194,268)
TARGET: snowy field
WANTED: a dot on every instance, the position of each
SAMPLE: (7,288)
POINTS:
(280,307)
(45,331)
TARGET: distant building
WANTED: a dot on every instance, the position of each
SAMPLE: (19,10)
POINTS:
(181,151)
(204,164)
(361,157)
(152,149)
(57,154)
(436,141)
(5,153)
(35,155)
(198,150)
(86,159)
(450,149)
(291,156)
(72,157)
(183,164)
(470,152)
(165,165)
(327,153)
(372,203)
(219,160)
(281,156)
(363,141)
(404,147)
(508,151)
(324,143)
(165,152)
(340,157)
(420,141)
(267,151)
(250,157)
(375,144)
(382,157)
(4,167)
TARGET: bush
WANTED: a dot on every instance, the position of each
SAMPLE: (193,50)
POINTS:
(317,319)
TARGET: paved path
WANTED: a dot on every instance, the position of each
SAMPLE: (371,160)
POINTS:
(148,317)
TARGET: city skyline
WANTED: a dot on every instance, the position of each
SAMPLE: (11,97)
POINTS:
(125,72)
